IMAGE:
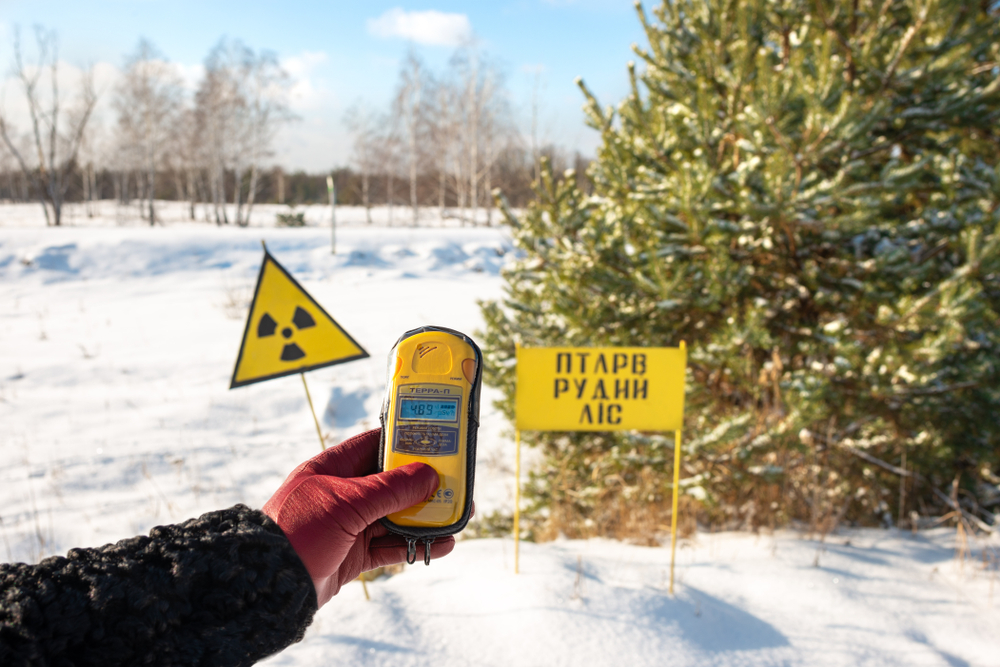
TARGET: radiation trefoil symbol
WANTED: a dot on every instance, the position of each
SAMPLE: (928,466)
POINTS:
(301,319)
(287,331)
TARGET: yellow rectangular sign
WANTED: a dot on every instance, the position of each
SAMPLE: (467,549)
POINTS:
(600,388)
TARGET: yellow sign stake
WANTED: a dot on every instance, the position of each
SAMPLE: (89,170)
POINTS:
(364,586)
(322,442)
(517,500)
(673,513)
(288,332)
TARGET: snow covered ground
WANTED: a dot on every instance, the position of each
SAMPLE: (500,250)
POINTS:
(117,343)
(875,598)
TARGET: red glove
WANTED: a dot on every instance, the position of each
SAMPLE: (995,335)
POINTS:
(330,505)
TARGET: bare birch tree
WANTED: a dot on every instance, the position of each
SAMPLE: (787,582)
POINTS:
(472,116)
(267,88)
(497,131)
(148,100)
(214,102)
(364,131)
(241,104)
(56,130)
(440,115)
(408,106)
(89,156)
(481,126)
(387,157)
(187,158)
(536,158)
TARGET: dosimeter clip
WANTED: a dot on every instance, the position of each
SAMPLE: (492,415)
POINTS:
(430,414)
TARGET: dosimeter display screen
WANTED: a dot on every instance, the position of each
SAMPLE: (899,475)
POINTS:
(433,409)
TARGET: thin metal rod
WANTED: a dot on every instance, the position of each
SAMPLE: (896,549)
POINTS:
(364,586)
(332,190)
(322,443)
(517,499)
(673,514)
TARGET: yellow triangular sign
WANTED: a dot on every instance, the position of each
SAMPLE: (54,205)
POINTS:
(288,332)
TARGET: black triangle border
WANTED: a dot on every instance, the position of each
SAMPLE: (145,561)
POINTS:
(233,384)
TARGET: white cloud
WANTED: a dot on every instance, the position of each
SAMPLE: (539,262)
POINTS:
(310,91)
(304,63)
(426,27)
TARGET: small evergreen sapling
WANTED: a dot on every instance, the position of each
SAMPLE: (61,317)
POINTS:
(808,193)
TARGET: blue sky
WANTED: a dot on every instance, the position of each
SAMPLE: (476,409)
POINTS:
(342,52)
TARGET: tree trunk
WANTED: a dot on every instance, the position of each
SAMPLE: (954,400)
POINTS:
(473,182)
(192,195)
(365,200)
(203,185)
(55,199)
(95,194)
(389,184)
(473,145)
(48,217)
(221,217)
(413,162)
(238,195)
(442,176)
(85,178)
(179,189)
(460,183)
(151,193)
(140,193)
(213,184)
(413,180)
(251,193)
(488,182)
(37,181)
(414,109)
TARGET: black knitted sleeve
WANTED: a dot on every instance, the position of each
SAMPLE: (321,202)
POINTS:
(224,589)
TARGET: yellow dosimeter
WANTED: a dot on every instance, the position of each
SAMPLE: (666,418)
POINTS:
(430,414)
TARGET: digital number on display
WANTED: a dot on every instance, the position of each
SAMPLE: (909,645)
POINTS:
(432,409)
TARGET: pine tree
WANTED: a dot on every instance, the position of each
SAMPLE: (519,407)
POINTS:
(808,194)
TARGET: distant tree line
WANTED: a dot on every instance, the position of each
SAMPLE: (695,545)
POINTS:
(208,148)
(448,140)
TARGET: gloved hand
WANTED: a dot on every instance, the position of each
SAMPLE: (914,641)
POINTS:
(330,505)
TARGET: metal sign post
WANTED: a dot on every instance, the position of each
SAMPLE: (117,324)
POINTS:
(331,189)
